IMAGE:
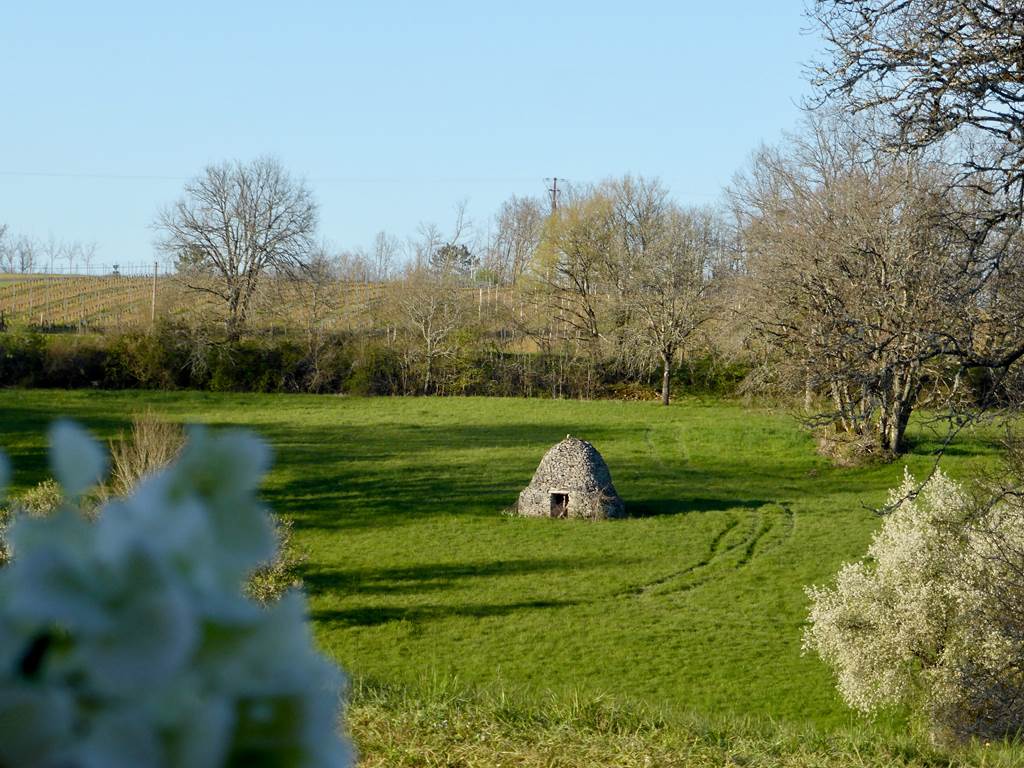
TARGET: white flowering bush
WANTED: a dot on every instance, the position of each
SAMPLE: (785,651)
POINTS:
(127,641)
(40,500)
(933,617)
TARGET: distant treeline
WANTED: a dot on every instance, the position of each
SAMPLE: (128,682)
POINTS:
(176,357)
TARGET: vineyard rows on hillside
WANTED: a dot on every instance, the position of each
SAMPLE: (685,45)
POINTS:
(110,302)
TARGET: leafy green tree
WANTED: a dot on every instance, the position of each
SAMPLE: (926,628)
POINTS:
(454,259)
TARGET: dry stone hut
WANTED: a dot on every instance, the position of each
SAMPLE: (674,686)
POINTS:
(571,481)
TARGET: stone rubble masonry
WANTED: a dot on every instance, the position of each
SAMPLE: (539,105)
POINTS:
(572,467)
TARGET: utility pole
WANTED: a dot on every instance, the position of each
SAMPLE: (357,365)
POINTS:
(553,192)
(152,304)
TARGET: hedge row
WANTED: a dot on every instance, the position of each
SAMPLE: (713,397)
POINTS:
(176,358)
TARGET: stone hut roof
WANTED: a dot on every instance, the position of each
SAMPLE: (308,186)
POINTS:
(573,465)
(572,480)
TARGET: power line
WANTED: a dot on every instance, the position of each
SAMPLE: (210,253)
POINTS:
(314,180)
(113,176)
(554,192)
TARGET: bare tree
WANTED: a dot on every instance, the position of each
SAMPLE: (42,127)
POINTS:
(87,252)
(935,70)
(569,280)
(52,252)
(862,275)
(23,253)
(70,253)
(6,252)
(519,224)
(385,253)
(663,275)
(236,222)
(572,265)
(433,311)
(422,247)
(354,265)
(316,294)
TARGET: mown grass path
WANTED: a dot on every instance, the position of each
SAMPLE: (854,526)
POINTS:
(695,603)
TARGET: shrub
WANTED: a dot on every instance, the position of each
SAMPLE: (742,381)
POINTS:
(151,445)
(709,374)
(5,522)
(376,370)
(846,449)
(933,617)
(270,581)
(39,501)
(146,360)
(21,358)
(126,641)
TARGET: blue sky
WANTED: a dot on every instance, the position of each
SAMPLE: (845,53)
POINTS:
(392,111)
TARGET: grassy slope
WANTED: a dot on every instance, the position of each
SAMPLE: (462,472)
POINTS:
(695,605)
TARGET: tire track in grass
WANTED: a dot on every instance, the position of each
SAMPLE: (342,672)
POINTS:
(728,559)
(732,549)
(781,529)
(712,553)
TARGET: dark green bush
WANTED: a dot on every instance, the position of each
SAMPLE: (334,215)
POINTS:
(75,362)
(710,375)
(22,354)
(179,357)
(145,360)
(375,370)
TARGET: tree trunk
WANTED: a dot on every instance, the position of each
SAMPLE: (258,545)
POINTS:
(666,370)
(896,414)
(892,425)
(233,328)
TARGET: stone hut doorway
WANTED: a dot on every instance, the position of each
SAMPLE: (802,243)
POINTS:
(559,504)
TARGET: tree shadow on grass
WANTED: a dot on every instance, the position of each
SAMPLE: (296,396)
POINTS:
(371,616)
(348,502)
(27,419)
(429,577)
(683,505)
(380,441)
(978,446)
(23,430)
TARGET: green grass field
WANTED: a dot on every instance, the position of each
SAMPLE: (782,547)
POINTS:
(692,607)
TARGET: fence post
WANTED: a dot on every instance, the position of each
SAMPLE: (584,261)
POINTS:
(152,304)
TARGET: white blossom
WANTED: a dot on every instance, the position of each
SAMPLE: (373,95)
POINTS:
(128,642)
(932,616)
(76,459)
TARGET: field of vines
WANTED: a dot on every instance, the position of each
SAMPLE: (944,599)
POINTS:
(125,301)
(76,301)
